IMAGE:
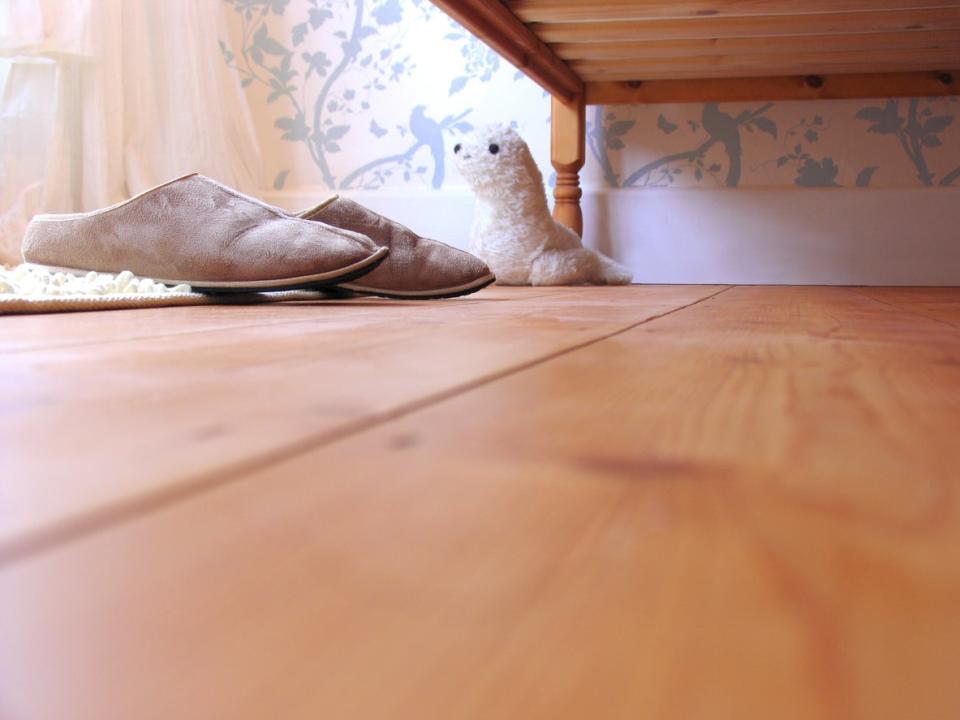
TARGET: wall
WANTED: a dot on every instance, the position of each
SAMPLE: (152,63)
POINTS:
(369,97)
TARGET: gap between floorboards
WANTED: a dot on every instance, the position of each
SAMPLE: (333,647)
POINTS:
(49,538)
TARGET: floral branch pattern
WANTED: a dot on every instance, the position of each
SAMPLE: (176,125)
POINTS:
(293,76)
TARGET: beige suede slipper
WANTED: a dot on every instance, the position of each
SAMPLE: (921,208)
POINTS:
(418,268)
(196,231)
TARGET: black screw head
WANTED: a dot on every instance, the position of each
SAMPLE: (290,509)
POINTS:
(814,81)
(945,78)
(494,148)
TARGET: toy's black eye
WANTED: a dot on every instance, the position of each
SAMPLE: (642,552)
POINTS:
(494,148)
(456,148)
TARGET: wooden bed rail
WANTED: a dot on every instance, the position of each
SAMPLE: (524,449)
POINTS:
(501,30)
(607,52)
(796,87)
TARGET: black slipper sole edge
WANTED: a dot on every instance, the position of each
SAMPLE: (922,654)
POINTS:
(442,294)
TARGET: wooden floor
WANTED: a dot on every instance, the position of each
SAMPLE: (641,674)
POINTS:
(647,502)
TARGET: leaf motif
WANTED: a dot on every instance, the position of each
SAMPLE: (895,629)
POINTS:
(664,125)
(621,127)
(227,53)
(886,120)
(336,132)
(296,127)
(318,16)
(298,33)
(457,84)
(815,173)
(865,176)
(937,124)
(765,124)
(280,179)
(267,44)
(377,130)
(389,13)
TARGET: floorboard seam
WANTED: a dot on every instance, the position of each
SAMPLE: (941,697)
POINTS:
(110,516)
(902,309)
(432,304)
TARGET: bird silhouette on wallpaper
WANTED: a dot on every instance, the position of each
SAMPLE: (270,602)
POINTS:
(726,130)
(512,230)
(429,133)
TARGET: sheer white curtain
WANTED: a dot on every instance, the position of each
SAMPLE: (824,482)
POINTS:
(102,99)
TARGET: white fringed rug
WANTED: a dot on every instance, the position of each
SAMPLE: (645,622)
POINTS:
(26,289)
(31,289)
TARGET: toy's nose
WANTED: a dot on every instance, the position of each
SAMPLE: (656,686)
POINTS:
(456,148)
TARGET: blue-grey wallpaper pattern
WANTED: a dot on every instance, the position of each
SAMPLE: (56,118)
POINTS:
(374,93)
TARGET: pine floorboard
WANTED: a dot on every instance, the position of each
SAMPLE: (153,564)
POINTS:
(643,502)
(150,404)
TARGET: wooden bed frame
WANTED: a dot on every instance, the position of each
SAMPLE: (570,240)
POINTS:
(597,52)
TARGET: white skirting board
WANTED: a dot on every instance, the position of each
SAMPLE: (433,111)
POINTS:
(835,236)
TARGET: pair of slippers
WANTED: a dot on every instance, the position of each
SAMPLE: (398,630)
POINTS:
(195,231)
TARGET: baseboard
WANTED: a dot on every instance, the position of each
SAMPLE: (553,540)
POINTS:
(833,236)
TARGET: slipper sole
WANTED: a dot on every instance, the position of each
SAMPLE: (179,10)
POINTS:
(303,282)
(438,294)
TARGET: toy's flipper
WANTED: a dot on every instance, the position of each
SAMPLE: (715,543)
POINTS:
(611,272)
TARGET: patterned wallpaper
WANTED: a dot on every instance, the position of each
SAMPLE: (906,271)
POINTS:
(372,94)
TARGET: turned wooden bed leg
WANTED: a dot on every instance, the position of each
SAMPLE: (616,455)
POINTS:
(567,141)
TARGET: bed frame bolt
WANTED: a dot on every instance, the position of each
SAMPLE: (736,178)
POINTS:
(814,81)
(634,84)
(945,78)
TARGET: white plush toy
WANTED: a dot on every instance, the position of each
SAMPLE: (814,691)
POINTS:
(513,231)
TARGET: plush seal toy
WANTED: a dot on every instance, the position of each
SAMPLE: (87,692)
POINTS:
(513,231)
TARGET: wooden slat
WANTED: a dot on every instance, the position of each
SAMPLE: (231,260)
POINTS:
(498,28)
(577,10)
(831,87)
(741,27)
(747,509)
(803,45)
(92,430)
(765,64)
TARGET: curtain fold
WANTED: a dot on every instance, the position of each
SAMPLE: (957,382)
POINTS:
(103,99)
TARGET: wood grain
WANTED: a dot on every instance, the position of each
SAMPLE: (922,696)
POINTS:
(745,509)
(793,87)
(567,154)
(618,10)
(703,41)
(901,60)
(857,42)
(705,28)
(143,410)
